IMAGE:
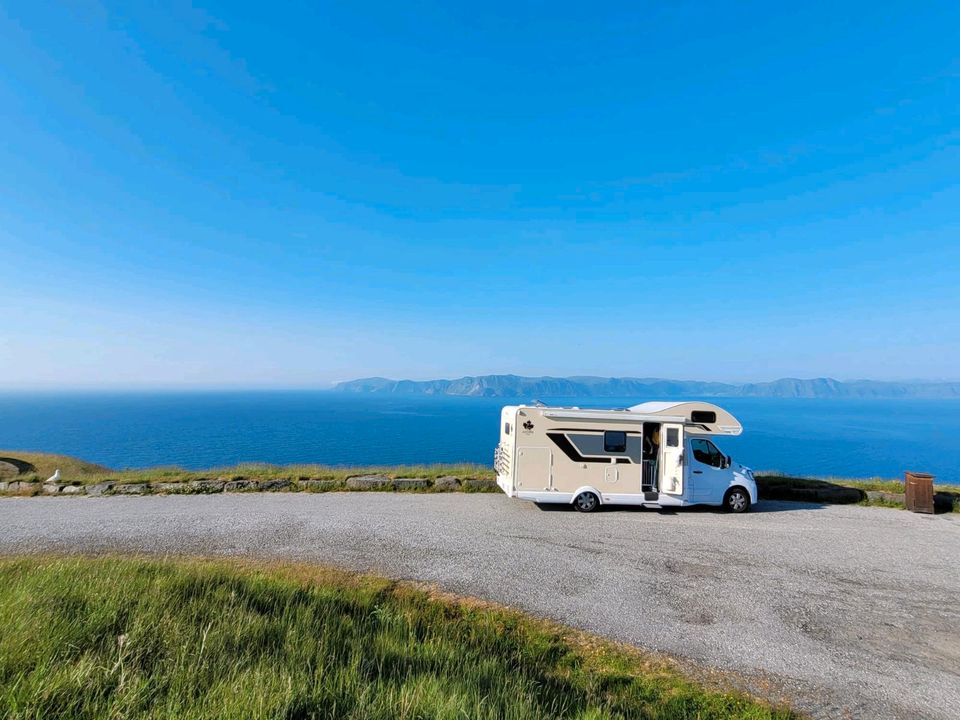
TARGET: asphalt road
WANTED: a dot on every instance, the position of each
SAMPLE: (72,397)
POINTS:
(847,611)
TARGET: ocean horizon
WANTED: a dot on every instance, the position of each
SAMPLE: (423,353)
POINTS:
(208,429)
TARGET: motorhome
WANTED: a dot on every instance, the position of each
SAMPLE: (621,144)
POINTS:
(657,454)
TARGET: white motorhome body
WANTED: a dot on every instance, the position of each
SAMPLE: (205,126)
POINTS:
(657,454)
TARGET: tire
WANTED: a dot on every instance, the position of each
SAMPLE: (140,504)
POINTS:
(736,500)
(586,502)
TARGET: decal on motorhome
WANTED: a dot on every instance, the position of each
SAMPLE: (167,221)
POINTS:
(571,451)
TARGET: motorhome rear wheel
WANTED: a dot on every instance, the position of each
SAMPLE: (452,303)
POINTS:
(586,502)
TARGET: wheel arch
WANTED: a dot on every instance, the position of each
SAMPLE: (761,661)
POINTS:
(737,486)
(586,488)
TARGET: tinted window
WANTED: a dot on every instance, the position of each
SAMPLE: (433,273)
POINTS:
(703,416)
(706,452)
(614,441)
(673,437)
(506,428)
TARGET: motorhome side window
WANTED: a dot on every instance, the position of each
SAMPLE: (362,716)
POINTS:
(707,453)
(506,428)
(614,441)
(673,437)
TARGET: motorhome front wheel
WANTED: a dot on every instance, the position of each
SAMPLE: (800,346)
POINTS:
(737,500)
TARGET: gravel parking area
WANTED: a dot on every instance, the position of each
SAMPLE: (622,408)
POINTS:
(845,611)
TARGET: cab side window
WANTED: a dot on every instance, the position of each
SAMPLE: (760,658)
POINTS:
(706,452)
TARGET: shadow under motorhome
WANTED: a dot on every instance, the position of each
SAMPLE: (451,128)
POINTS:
(657,454)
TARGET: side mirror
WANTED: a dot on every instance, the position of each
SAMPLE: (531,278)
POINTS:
(728,462)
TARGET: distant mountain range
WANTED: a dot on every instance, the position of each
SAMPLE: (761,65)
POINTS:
(515,386)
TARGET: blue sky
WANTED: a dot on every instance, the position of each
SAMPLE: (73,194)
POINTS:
(272,194)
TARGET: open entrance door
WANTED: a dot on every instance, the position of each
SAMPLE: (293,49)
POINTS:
(651,457)
(671,459)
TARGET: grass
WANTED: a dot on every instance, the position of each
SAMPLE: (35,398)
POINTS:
(79,472)
(46,464)
(880,484)
(770,482)
(135,638)
(877,483)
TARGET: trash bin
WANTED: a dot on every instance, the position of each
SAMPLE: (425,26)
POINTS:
(919,491)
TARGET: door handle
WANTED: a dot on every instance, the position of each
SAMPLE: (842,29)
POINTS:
(698,472)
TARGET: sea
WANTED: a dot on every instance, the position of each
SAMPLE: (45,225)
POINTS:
(199,430)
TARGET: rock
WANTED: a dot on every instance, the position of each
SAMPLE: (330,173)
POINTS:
(886,496)
(480,485)
(411,483)
(369,482)
(239,485)
(203,485)
(945,501)
(170,487)
(446,483)
(319,484)
(3,485)
(275,484)
(72,490)
(830,494)
(12,467)
(840,495)
(130,488)
(23,487)
(52,488)
(103,488)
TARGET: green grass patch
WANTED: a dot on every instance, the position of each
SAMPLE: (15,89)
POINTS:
(79,472)
(777,486)
(774,479)
(135,638)
(883,502)
(45,464)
